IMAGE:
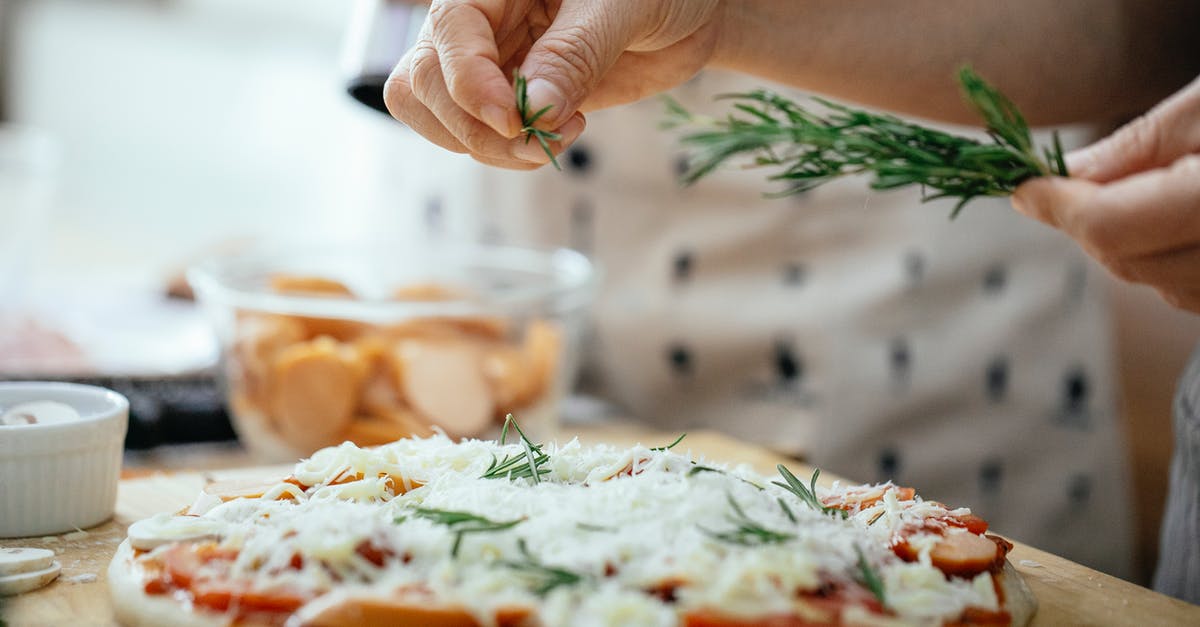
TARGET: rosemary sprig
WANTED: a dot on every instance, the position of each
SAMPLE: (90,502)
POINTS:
(524,465)
(747,532)
(699,468)
(542,577)
(671,445)
(595,528)
(806,494)
(870,578)
(812,148)
(521,86)
(462,523)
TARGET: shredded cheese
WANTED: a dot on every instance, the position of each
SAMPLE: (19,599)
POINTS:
(636,531)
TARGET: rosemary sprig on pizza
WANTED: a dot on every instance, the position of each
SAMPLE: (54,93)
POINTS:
(430,531)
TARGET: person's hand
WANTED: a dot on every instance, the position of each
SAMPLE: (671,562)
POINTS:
(455,85)
(1133,201)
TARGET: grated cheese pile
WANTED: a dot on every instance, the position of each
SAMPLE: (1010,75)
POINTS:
(621,522)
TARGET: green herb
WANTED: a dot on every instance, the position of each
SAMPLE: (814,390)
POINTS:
(870,577)
(591,527)
(697,469)
(543,578)
(461,523)
(520,85)
(524,465)
(806,494)
(671,445)
(747,532)
(787,511)
(810,148)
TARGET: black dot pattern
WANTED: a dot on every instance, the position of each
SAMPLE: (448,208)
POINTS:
(681,266)
(1075,390)
(683,165)
(991,474)
(789,367)
(900,359)
(794,274)
(434,215)
(1079,489)
(579,159)
(996,379)
(994,279)
(679,359)
(914,267)
(889,464)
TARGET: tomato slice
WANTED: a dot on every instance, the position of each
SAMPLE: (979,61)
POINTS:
(223,597)
(182,569)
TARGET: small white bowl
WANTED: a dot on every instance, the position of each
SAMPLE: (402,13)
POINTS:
(60,477)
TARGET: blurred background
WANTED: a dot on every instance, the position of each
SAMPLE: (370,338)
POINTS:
(147,133)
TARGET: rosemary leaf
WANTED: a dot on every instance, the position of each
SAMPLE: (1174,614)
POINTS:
(542,578)
(671,445)
(746,531)
(870,578)
(461,523)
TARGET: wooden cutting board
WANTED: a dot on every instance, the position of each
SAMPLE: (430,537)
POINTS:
(1067,593)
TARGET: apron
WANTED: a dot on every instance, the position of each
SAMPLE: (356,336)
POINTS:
(864,332)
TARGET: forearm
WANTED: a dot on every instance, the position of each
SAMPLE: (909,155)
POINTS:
(1062,61)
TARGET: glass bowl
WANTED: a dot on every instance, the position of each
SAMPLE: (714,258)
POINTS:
(369,344)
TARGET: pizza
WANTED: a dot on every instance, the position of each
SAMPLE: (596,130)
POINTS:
(436,532)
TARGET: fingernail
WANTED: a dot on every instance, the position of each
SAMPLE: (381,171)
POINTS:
(497,117)
(542,92)
(530,151)
(1078,162)
(572,129)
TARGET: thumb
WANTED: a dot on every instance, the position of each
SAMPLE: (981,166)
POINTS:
(569,60)
(1154,140)
(1053,200)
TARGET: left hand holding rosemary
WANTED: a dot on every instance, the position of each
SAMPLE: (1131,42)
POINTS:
(1135,202)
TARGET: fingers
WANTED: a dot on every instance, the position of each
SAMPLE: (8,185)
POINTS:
(569,60)
(403,104)
(1144,228)
(463,37)
(417,94)
(1136,215)
(1154,140)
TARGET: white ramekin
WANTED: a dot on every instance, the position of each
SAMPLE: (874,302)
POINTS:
(60,477)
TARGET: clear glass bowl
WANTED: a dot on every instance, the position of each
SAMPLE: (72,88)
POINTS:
(369,343)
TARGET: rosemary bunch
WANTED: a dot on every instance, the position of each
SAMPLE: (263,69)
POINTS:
(521,86)
(810,148)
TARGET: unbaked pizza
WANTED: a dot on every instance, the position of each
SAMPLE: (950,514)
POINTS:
(434,532)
